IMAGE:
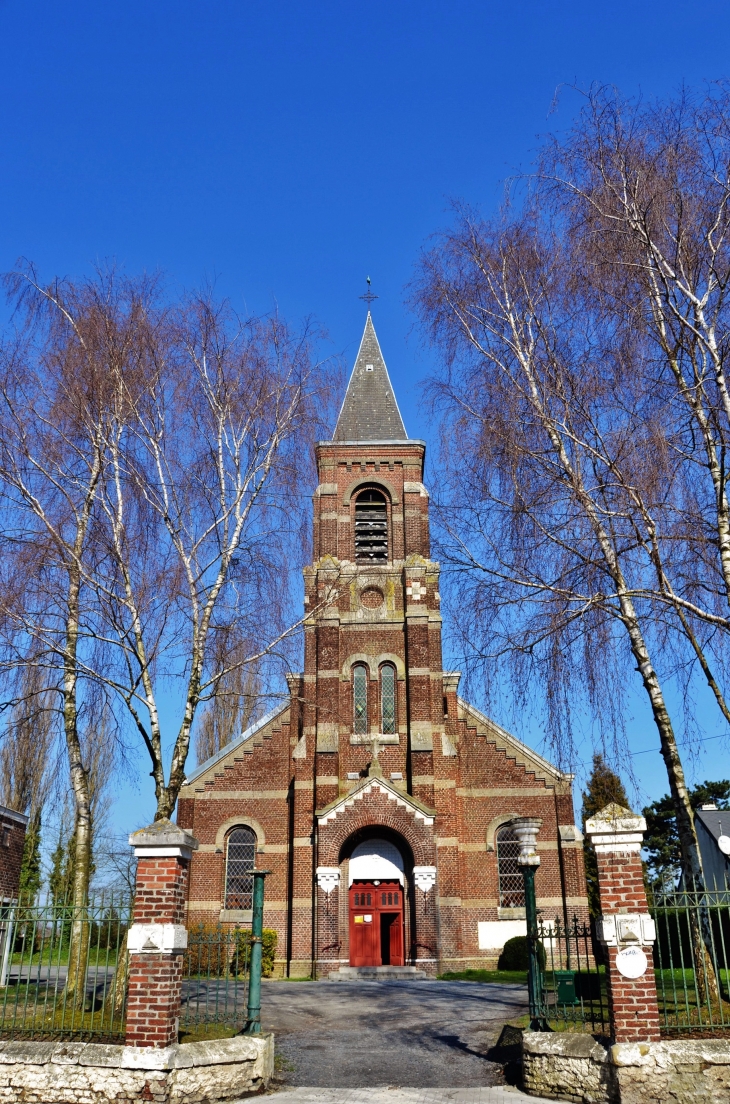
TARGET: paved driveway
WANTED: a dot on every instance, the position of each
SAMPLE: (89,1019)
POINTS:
(419,1034)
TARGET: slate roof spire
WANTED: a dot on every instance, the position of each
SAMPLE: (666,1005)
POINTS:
(370,411)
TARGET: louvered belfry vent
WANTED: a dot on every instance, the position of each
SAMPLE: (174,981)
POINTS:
(371,528)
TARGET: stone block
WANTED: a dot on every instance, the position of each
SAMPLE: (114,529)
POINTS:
(68,1054)
(630,1054)
(26,1053)
(148,1058)
(215,1052)
(575,1067)
(101,1054)
(567,1066)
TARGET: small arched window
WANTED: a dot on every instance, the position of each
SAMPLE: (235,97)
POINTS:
(360,699)
(511,886)
(387,698)
(240,861)
(371,527)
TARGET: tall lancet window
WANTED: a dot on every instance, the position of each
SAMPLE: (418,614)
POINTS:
(360,699)
(240,861)
(511,885)
(387,698)
(371,527)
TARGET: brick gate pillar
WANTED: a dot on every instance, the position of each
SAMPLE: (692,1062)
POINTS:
(625,927)
(157,937)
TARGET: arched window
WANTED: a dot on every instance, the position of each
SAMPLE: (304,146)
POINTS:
(371,527)
(240,861)
(360,699)
(511,886)
(387,698)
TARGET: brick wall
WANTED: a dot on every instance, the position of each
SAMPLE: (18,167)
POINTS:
(12,838)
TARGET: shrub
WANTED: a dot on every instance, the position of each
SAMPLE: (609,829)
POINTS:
(515,954)
(269,939)
(214,951)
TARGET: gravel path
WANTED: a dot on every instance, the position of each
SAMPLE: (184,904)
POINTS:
(415,1034)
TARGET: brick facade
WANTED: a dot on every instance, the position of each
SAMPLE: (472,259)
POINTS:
(12,841)
(439,786)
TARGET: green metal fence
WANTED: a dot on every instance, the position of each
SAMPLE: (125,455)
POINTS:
(692,961)
(58,969)
(222,971)
(573,994)
(215,977)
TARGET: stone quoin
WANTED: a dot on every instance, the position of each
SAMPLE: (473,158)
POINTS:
(380,800)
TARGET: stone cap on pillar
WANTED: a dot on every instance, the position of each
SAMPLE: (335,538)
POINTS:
(616,829)
(161,840)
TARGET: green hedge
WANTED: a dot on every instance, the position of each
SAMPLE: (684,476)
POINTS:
(516,956)
(215,951)
(269,939)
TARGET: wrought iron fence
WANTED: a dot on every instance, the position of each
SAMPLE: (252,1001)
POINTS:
(59,975)
(573,993)
(216,968)
(692,961)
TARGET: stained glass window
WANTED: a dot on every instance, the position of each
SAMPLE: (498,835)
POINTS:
(240,861)
(387,698)
(360,699)
(511,885)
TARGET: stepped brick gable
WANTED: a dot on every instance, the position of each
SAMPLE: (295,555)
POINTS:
(379,799)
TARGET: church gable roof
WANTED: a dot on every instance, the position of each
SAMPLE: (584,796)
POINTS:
(523,755)
(370,411)
(369,785)
(253,735)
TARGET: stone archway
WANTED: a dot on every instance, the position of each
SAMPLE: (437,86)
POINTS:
(348,832)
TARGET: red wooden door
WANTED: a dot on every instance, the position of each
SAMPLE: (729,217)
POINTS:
(376,924)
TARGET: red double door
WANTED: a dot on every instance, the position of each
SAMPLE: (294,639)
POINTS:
(376,924)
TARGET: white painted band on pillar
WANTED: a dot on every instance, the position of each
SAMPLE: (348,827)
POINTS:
(157,938)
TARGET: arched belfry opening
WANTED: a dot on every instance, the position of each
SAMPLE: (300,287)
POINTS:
(371,527)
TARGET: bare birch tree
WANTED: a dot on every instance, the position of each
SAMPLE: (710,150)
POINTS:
(645,190)
(59,382)
(201,497)
(562,476)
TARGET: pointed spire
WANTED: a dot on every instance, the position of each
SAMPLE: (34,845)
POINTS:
(370,411)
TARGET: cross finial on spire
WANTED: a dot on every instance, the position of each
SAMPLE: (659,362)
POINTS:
(368,296)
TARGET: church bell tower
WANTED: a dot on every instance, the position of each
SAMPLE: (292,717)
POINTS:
(374,693)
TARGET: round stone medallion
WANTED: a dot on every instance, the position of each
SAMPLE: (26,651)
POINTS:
(372,598)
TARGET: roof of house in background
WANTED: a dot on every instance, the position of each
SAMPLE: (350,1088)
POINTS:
(711,824)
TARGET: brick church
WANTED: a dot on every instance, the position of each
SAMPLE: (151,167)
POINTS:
(378,798)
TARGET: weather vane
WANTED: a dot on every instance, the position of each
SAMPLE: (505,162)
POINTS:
(368,296)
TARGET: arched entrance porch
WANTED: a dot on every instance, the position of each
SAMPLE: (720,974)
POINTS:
(374,811)
(376,899)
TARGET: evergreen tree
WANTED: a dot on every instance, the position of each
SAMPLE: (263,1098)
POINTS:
(30,870)
(661,841)
(604,787)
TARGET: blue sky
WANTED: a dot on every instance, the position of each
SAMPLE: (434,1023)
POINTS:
(287,150)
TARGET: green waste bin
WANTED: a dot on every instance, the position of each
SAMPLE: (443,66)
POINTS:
(565,987)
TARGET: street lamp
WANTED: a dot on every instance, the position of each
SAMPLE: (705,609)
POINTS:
(526,829)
